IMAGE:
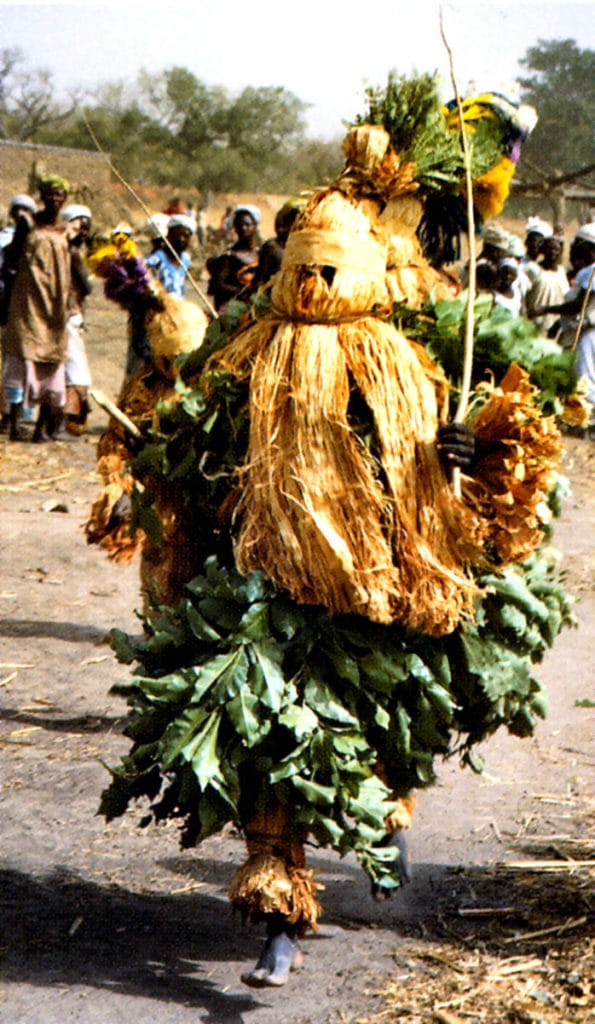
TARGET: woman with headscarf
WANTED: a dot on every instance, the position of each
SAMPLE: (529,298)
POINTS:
(170,267)
(233,271)
(35,335)
(78,375)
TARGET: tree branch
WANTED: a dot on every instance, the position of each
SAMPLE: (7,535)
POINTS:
(550,182)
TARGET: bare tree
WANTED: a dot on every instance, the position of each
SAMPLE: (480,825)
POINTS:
(28,102)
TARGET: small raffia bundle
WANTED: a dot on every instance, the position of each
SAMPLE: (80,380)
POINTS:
(510,485)
(175,328)
(367,528)
(274,878)
(114,538)
(577,408)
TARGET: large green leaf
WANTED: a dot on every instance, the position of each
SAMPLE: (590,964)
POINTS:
(244,715)
(343,664)
(313,791)
(201,752)
(180,734)
(268,680)
(172,688)
(199,625)
(254,623)
(125,649)
(227,673)
(383,671)
(326,705)
(440,699)
(300,719)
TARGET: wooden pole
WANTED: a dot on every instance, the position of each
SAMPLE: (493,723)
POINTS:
(108,406)
(209,308)
(583,311)
(469,318)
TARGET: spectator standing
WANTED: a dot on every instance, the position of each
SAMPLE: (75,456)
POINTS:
(536,232)
(506,290)
(78,374)
(18,204)
(580,300)
(231,274)
(168,269)
(550,286)
(39,264)
(270,253)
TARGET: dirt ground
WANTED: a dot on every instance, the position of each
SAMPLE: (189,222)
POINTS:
(116,925)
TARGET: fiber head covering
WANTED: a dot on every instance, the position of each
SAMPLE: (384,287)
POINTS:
(157,225)
(537,226)
(52,183)
(24,201)
(181,220)
(509,261)
(496,236)
(74,211)
(586,233)
(253,211)
(123,228)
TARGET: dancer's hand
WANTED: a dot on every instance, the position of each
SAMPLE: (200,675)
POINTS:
(456,446)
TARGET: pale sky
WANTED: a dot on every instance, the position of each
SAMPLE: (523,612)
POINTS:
(321,50)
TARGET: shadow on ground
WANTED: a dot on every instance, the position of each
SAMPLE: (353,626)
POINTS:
(63,930)
(79,724)
(74,632)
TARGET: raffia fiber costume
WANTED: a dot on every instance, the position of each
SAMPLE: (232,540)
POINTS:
(376,533)
(308,692)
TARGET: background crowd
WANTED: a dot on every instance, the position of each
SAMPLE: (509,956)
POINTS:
(45,281)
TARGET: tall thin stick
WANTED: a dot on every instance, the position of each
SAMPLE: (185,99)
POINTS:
(469,318)
(583,311)
(209,308)
(113,410)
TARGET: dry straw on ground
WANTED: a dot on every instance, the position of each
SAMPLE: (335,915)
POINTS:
(520,951)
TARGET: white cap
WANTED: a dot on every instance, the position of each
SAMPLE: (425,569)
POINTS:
(537,226)
(181,220)
(74,211)
(586,233)
(23,200)
(156,225)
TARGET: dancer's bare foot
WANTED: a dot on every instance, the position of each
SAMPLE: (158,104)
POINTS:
(383,892)
(281,954)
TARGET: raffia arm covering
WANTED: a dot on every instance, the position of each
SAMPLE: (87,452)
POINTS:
(510,485)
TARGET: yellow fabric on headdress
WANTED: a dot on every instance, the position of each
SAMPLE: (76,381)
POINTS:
(109,252)
(491,190)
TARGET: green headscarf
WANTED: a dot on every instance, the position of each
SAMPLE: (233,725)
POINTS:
(52,183)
